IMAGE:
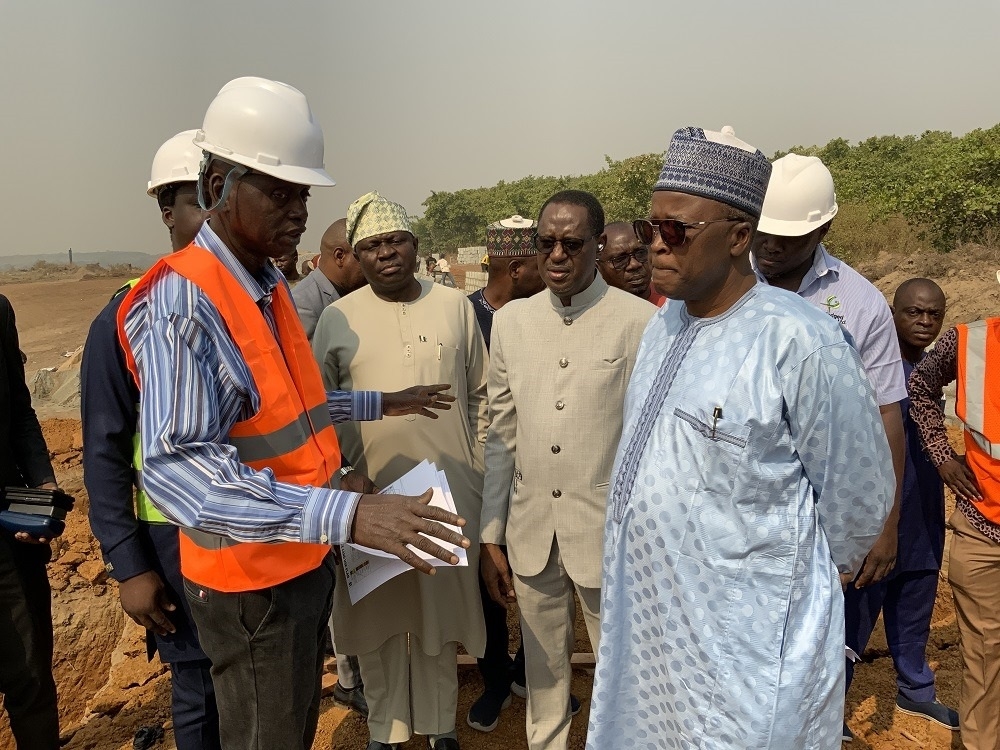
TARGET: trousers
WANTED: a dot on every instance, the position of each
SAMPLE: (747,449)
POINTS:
(26,682)
(496,667)
(267,649)
(409,691)
(906,601)
(193,707)
(548,612)
(974,574)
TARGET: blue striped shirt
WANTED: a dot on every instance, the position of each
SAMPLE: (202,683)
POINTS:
(195,387)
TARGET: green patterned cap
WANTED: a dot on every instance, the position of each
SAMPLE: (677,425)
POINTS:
(371,214)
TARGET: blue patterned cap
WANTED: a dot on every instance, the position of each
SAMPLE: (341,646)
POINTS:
(718,166)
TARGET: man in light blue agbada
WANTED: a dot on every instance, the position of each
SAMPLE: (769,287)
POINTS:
(753,474)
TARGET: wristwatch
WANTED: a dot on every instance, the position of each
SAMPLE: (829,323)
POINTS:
(344,471)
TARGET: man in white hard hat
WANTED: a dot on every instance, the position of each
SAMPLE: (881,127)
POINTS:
(788,253)
(237,444)
(139,545)
(753,468)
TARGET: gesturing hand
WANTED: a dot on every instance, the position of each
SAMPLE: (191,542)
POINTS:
(145,600)
(419,399)
(390,522)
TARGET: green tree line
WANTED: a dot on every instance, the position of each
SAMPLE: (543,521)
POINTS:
(936,187)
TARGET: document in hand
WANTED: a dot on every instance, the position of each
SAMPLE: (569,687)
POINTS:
(366,569)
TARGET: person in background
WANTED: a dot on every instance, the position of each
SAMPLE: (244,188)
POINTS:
(624,263)
(513,274)
(970,355)
(26,682)
(288,264)
(753,472)
(788,253)
(559,366)
(139,545)
(443,269)
(396,331)
(337,275)
(906,596)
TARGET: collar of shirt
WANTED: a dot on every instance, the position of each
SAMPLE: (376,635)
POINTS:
(823,263)
(259,290)
(581,301)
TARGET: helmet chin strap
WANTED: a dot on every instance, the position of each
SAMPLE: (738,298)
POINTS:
(237,171)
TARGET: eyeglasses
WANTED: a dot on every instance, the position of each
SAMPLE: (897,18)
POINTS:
(621,262)
(673,232)
(571,245)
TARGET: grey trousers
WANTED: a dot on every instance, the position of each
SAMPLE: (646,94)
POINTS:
(548,613)
(267,649)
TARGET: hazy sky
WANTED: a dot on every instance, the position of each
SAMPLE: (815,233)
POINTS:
(422,95)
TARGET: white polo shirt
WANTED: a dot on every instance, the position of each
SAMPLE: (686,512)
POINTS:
(846,295)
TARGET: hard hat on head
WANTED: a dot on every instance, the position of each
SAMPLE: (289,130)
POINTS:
(267,126)
(800,197)
(177,160)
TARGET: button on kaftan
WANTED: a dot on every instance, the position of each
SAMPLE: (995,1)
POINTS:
(753,465)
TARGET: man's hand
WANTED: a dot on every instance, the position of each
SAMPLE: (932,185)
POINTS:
(390,522)
(417,400)
(24,536)
(496,573)
(957,476)
(881,559)
(355,481)
(144,599)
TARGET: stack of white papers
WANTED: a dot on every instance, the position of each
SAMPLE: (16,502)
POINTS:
(366,569)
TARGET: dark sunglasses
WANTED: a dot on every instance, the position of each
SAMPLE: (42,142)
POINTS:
(673,232)
(571,245)
(620,262)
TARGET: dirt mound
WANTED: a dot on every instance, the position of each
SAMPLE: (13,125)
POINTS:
(967,275)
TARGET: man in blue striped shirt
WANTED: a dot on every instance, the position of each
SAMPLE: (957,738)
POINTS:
(196,386)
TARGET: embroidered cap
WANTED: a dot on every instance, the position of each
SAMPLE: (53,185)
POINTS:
(716,165)
(372,214)
(510,238)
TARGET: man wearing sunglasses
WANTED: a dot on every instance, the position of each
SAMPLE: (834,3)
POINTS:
(753,470)
(624,262)
(788,253)
(559,365)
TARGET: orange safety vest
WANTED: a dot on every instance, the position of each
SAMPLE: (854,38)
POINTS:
(291,434)
(977,404)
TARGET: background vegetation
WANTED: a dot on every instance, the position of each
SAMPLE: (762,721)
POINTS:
(895,193)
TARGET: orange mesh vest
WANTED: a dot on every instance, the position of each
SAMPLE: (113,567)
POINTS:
(291,434)
(977,404)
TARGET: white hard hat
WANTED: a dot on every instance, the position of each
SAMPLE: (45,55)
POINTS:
(177,160)
(267,126)
(800,197)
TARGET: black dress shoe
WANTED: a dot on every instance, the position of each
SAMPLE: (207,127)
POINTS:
(445,743)
(353,698)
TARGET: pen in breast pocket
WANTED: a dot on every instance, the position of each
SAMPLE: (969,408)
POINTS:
(440,347)
(716,416)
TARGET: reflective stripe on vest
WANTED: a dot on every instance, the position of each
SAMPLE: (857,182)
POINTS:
(291,433)
(144,509)
(977,404)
